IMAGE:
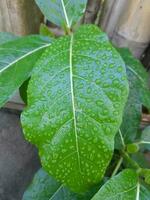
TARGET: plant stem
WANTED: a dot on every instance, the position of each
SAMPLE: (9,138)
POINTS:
(117,167)
(131,162)
(122,139)
(142,142)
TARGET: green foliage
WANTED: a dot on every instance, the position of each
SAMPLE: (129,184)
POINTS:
(76,88)
(45,187)
(45,31)
(123,186)
(23,91)
(145,138)
(146,175)
(144,193)
(6,37)
(132,148)
(74,128)
(62,12)
(17,59)
(138,95)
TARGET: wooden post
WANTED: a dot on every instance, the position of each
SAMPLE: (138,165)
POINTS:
(19,16)
(127,23)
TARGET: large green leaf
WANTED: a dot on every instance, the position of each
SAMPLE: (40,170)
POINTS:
(139,94)
(124,186)
(17,59)
(44,187)
(6,37)
(75,103)
(62,12)
(144,193)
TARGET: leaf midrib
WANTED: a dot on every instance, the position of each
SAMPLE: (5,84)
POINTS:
(65,13)
(72,98)
(121,193)
(58,189)
(22,57)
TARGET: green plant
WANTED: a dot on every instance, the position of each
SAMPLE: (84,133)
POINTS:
(77,90)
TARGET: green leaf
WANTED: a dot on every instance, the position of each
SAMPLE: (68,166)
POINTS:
(45,31)
(75,105)
(62,12)
(144,193)
(6,37)
(44,187)
(145,137)
(17,59)
(23,91)
(139,157)
(124,186)
(138,95)
(146,174)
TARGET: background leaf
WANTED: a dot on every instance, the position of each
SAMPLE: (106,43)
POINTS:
(17,59)
(123,186)
(23,91)
(44,187)
(138,95)
(75,103)
(145,138)
(62,12)
(144,193)
(6,37)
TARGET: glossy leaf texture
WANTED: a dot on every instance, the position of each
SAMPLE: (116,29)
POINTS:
(44,187)
(17,59)
(6,37)
(76,98)
(139,95)
(62,12)
(124,186)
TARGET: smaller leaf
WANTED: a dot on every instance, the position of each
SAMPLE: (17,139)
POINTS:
(144,193)
(139,95)
(17,59)
(123,186)
(62,12)
(44,187)
(23,91)
(6,37)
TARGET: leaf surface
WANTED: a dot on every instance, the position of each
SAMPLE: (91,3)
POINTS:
(139,94)
(44,187)
(121,187)
(17,59)
(6,37)
(145,138)
(62,12)
(75,103)
(45,31)
(144,193)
